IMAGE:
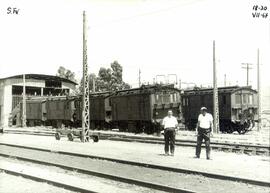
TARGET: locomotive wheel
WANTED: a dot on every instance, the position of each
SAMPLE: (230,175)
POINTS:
(57,136)
(95,138)
(70,137)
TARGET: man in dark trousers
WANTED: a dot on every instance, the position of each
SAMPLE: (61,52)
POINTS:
(170,124)
(203,130)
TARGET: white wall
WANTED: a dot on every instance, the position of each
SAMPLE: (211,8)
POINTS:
(7,104)
(1,102)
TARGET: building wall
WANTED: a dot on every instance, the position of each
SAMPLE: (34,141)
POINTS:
(1,103)
(6,102)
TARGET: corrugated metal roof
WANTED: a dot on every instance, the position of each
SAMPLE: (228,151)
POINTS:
(40,77)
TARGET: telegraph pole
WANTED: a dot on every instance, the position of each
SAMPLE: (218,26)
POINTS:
(139,77)
(225,81)
(94,84)
(24,104)
(85,101)
(259,90)
(247,67)
(215,93)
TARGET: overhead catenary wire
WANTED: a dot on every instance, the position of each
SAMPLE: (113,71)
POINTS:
(140,15)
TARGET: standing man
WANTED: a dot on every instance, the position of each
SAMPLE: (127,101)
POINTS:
(203,130)
(170,124)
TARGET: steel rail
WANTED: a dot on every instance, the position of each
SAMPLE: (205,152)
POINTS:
(99,174)
(152,166)
(147,138)
(220,146)
(51,182)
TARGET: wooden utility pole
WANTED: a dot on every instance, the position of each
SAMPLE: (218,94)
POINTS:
(225,81)
(24,104)
(85,101)
(247,67)
(94,84)
(215,93)
(259,90)
(139,77)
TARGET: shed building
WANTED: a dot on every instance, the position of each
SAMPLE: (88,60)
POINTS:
(11,91)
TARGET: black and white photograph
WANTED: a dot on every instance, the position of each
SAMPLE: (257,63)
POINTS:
(134,96)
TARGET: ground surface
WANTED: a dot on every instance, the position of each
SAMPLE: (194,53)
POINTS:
(17,184)
(195,183)
(73,178)
(238,165)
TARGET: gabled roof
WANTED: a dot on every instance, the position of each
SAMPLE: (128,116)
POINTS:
(40,77)
(228,89)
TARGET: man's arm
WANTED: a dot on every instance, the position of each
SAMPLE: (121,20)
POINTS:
(197,126)
(176,124)
(211,125)
(163,124)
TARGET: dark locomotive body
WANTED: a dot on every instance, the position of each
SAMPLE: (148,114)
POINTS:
(142,109)
(100,111)
(237,107)
(134,110)
(35,112)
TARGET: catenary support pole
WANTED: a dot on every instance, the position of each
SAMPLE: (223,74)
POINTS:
(85,101)
(24,104)
(139,77)
(215,93)
(259,90)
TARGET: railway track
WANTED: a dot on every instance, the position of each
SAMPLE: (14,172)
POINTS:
(150,168)
(36,155)
(251,149)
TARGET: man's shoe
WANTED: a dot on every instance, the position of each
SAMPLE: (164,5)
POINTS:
(208,158)
(166,153)
(197,157)
(172,154)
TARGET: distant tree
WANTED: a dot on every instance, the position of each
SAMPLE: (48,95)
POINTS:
(65,73)
(111,78)
(108,79)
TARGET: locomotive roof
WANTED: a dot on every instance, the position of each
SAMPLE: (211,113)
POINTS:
(146,89)
(228,89)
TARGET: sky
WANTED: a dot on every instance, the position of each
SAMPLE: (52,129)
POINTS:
(159,37)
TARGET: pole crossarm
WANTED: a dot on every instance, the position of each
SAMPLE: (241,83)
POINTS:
(247,67)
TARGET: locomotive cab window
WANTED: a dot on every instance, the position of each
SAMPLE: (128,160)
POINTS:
(238,99)
(250,99)
(245,98)
(166,98)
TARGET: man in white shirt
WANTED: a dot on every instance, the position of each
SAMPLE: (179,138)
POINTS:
(170,124)
(204,128)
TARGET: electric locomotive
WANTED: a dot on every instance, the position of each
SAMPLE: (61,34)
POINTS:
(142,109)
(238,107)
